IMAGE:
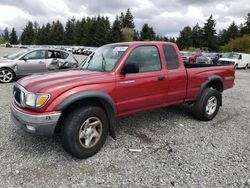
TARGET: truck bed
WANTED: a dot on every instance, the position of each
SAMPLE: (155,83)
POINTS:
(200,73)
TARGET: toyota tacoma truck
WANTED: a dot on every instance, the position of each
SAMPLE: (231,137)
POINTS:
(120,79)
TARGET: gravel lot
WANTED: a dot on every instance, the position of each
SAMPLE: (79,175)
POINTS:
(177,150)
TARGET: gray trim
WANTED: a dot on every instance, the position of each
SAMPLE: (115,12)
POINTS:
(43,124)
(210,79)
(106,100)
(84,95)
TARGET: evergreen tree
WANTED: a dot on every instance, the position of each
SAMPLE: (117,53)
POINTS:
(209,35)
(185,38)
(197,36)
(245,28)
(13,36)
(147,33)
(57,33)
(116,33)
(27,36)
(69,32)
(128,20)
(6,35)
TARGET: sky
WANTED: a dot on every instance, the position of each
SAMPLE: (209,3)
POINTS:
(167,17)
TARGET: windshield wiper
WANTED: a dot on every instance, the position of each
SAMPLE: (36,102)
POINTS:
(103,63)
(87,61)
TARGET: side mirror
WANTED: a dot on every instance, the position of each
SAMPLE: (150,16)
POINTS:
(130,67)
(25,58)
(240,57)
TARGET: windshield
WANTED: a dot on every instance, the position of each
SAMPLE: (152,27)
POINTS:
(231,55)
(208,54)
(104,58)
(186,53)
(17,54)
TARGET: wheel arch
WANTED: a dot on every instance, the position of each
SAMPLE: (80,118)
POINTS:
(96,98)
(215,82)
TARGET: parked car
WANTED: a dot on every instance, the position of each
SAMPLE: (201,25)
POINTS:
(190,57)
(30,61)
(208,58)
(239,60)
(117,80)
(88,51)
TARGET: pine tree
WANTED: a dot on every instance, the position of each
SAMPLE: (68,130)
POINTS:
(27,36)
(57,33)
(6,35)
(13,36)
(128,20)
(209,35)
(147,33)
(116,33)
(197,36)
(69,32)
(185,38)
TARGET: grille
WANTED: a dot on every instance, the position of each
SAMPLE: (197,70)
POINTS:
(227,62)
(17,94)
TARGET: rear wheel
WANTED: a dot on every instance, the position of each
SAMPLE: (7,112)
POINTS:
(6,75)
(84,131)
(208,105)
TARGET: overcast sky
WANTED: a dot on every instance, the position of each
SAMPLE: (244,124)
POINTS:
(167,17)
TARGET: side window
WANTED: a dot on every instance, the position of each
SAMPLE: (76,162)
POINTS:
(64,55)
(54,54)
(171,57)
(38,54)
(147,57)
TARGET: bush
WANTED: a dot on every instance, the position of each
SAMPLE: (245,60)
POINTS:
(240,44)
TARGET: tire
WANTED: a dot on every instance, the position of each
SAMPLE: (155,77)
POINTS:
(246,67)
(6,75)
(75,126)
(206,108)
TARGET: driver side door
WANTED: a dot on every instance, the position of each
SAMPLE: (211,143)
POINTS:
(33,62)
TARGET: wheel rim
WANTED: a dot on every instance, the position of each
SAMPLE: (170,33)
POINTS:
(90,132)
(211,105)
(5,76)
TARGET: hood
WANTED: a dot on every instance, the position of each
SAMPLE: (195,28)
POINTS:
(227,59)
(63,80)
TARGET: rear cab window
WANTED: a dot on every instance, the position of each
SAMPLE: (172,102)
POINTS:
(171,57)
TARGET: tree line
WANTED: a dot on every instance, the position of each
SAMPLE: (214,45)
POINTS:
(97,31)
(207,37)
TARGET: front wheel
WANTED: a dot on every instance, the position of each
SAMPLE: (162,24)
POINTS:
(84,131)
(6,75)
(208,105)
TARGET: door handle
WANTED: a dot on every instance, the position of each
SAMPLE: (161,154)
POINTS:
(41,62)
(160,78)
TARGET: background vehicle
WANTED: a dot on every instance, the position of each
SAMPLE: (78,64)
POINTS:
(116,80)
(239,60)
(32,61)
(190,57)
(208,58)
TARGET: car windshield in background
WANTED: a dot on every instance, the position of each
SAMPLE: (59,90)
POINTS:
(186,53)
(231,56)
(16,55)
(104,58)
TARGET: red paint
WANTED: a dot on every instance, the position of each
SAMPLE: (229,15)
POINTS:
(131,92)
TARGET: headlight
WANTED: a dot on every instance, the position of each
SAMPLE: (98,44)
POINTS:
(36,100)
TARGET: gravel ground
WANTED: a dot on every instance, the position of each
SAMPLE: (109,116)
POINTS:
(177,150)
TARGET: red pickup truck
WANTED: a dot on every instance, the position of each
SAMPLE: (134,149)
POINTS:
(117,80)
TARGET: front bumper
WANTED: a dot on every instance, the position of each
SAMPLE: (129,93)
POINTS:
(40,124)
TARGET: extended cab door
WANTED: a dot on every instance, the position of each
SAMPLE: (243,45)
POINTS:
(177,75)
(33,62)
(145,89)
